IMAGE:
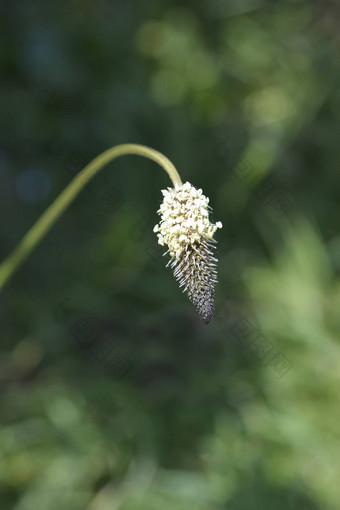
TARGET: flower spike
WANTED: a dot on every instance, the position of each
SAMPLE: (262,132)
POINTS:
(186,230)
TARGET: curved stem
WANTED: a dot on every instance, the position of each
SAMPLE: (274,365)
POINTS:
(60,204)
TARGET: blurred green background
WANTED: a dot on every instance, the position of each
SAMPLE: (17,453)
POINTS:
(113,394)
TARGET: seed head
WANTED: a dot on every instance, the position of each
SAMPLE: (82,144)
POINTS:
(186,230)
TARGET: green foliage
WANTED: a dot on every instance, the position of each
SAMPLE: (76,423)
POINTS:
(114,395)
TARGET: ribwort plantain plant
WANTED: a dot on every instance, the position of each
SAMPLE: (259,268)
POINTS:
(184,228)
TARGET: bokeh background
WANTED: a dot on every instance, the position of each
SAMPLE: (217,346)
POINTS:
(113,394)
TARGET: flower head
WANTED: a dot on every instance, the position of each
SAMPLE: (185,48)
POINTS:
(186,230)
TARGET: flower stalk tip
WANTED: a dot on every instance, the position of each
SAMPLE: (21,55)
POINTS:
(186,230)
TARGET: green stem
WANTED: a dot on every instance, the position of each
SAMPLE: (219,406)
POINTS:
(60,204)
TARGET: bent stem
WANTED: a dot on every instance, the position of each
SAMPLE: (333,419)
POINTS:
(60,204)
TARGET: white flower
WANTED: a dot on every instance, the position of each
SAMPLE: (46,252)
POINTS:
(184,218)
(187,231)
